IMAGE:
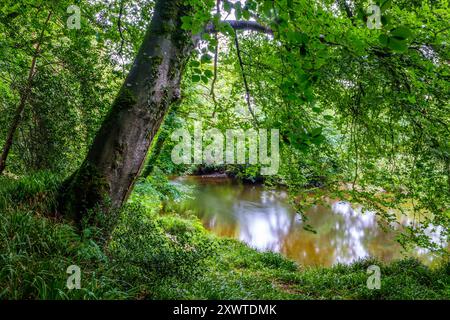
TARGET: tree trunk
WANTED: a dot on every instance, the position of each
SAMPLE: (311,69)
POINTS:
(160,141)
(23,99)
(117,154)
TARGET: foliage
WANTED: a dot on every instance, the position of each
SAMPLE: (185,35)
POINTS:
(363,114)
(358,109)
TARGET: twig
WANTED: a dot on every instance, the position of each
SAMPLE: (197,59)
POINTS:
(216,54)
(240,25)
(247,90)
(119,26)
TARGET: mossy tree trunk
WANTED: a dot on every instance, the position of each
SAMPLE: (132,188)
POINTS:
(115,158)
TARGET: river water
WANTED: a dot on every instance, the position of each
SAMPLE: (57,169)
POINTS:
(264,220)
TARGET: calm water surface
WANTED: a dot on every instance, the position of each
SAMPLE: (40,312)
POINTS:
(264,220)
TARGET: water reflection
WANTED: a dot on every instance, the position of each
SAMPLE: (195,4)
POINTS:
(264,220)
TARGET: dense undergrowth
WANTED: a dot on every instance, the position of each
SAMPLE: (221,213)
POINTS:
(152,256)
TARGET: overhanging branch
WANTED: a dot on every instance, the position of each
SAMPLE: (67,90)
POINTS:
(240,25)
(247,90)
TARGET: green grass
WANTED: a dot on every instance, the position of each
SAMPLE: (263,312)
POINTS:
(170,257)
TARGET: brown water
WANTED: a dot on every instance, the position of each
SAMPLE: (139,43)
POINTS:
(264,220)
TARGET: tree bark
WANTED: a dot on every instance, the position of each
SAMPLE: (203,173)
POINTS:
(23,100)
(117,154)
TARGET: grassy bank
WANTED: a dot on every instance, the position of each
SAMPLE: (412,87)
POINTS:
(149,256)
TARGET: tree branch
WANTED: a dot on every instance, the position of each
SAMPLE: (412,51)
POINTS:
(240,25)
(345,7)
(122,40)
(247,90)
(216,55)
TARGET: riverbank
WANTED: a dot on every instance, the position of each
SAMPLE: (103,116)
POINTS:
(170,257)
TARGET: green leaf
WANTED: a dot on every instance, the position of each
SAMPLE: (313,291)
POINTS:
(206,58)
(318,139)
(267,7)
(385,20)
(213,42)
(208,73)
(195,63)
(246,14)
(384,40)
(238,10)
(186,22)
(296,37)
(195,78)
(397,45)
(316,132)
(386,5)
(412,99)
(401,33)
(206,36)
(227,6)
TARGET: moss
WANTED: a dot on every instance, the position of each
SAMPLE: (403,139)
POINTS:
(155,62)
(168,12)
(125,100)
(85,190)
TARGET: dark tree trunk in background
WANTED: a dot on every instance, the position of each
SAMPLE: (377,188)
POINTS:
(23,99)
(158,146)
(117,154)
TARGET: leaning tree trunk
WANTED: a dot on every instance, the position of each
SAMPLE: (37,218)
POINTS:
(115,158)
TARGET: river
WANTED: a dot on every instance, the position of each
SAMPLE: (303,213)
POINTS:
(265,220)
